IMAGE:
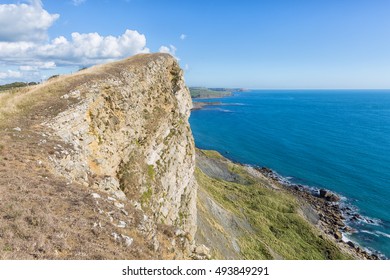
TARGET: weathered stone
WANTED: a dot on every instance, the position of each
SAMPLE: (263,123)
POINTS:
(338,235)
(127,240)
(119,205)
(95,195)
(351,244)
(329,196)
(130,137)
(202,251)
(121,224)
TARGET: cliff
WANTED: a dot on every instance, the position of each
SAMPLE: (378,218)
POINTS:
(99,164)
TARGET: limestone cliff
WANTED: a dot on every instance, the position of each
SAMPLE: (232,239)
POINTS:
(119,131)
(130,134)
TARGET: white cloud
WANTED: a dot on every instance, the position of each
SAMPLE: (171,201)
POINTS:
(10,74)
(26,53)
(92,48)
(38,66)
(24,22)
(77,2)
(183,36)
(186,67)
(171,50)
(81,49)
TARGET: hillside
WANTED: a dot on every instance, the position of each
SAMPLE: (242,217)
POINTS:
(15,85)
(202,92)
(242,214)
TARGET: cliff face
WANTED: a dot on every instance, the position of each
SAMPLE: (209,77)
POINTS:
(119,131)
(130,135)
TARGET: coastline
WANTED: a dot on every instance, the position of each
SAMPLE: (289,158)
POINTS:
(321,207)
(331,218)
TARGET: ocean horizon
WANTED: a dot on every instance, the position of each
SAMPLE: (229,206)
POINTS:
(333,139)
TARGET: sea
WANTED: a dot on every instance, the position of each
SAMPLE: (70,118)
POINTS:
(333,139)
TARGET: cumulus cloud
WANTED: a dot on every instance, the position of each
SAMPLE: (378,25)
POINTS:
(77,2)
(10,74)
(25,22)
(81,49)
(183,36)
(35,66)
(24,45)
(92,48)
(171,50)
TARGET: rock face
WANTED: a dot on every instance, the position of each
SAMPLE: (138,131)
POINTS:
(127,133)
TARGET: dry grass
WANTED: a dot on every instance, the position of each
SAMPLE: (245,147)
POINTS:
(43,217)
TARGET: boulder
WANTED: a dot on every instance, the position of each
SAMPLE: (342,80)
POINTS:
(338,235)
(202,252)
(329,196)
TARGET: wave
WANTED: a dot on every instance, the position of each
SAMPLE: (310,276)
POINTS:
(217,109)
(369,232)
(232,104)
(382,234)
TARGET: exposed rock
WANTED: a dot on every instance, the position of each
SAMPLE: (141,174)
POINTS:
(338,235)
(127,240)
(202,252)
(329,196)
(121,224)
(351,244)
(119,205)
(95,195)
(128,135)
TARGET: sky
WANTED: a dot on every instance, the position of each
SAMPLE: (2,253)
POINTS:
(263,44)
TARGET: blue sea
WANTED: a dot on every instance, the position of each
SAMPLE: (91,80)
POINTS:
(333,139)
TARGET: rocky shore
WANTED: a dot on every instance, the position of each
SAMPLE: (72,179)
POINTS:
(325,211)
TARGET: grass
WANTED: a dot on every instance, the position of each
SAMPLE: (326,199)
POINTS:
(212,154)
(202,92)
(15,85)
(146,196)
(277,227)
(151,172)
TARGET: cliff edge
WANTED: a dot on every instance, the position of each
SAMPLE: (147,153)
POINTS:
(99,164)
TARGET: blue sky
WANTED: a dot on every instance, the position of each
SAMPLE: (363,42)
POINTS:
(251,44)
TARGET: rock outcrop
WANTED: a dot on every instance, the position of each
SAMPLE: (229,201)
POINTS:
(129,135)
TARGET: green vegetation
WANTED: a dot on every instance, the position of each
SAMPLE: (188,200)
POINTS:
(277,229)
(151,172)
(212,154)
(146,196)
(202,92)
(53,77)
(15,85)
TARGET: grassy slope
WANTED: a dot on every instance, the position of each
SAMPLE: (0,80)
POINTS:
(201,92)
(15,85)
(277,229)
